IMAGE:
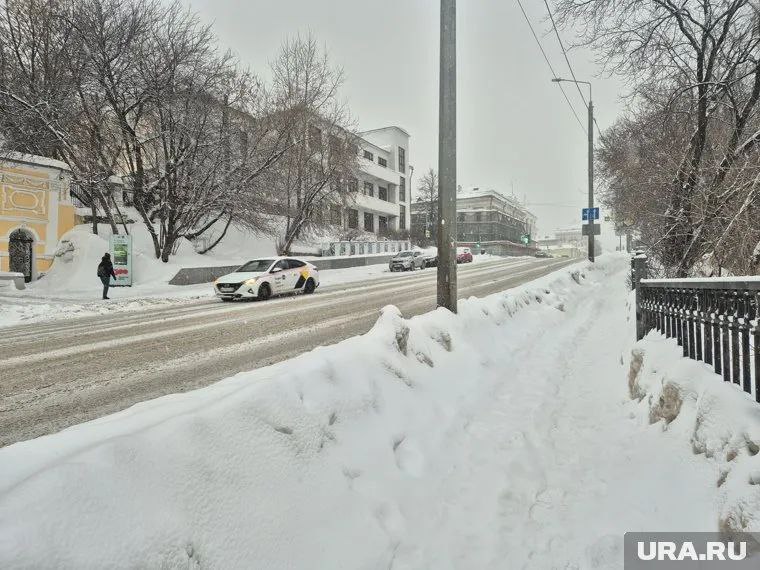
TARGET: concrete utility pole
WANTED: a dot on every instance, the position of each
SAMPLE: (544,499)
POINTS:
(447,161)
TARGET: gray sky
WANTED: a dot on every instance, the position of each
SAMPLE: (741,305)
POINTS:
(514,127)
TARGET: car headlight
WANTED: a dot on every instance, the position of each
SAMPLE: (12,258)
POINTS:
(251,281)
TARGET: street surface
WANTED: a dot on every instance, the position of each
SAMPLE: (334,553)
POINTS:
(57,374)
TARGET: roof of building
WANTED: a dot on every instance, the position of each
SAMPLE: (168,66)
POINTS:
(385,128)
(477,192)
(34,160)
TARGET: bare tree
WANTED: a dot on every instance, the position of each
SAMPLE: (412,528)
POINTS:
(44,109)
(695,67)
(427,194)
(318,168)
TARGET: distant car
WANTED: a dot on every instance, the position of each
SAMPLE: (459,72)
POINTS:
(408,260)
(541,253)
(464,255)
(264,278)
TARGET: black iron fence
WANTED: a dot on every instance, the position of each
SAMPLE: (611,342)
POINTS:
(716,321)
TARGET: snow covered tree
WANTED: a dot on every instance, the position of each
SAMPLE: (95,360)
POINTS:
(693,129)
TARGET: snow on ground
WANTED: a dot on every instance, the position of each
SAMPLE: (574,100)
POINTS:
(716,419)
(501,437)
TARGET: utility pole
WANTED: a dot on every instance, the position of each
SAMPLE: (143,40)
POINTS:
(447,161)
(591,237)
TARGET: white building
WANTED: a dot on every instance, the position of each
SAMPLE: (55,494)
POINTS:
(382,204)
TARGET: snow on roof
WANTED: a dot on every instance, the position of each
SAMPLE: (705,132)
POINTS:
(386,128)
(33,159)
(477,192)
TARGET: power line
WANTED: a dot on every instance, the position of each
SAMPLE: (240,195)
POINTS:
(567,60)
(564,53)
(546,58)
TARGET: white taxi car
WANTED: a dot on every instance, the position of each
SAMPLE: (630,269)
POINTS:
(263,278)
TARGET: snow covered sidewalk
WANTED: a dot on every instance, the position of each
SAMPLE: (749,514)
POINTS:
(504,437)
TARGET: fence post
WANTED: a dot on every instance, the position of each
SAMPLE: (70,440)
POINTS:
(638,272)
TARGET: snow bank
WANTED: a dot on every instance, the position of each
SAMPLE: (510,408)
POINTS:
(693,404)
(318,462)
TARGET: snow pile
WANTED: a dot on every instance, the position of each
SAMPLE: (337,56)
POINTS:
(339,458)
(716,419)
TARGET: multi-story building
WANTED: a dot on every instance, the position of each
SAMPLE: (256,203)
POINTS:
(35,211)
(382,203)
(487,217)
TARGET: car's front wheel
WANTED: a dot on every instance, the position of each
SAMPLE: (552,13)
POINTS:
(309,286)
(264,292)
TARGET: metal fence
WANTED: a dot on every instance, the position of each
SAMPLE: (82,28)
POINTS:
(364,247)
(715,321)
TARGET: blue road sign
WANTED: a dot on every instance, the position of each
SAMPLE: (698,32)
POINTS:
(590,214)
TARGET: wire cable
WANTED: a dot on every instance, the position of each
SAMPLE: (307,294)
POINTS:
(567,60)
(564,53)
(551,68)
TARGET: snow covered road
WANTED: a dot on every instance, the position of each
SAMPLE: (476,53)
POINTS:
(63,372)
(503,437)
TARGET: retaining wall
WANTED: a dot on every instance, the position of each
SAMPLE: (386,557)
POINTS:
(196,275)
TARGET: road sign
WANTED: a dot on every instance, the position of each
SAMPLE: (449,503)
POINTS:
(590,214)
(591,229)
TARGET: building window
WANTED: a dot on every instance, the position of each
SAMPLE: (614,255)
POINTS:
(382,193)
(401,160)
(382,162)
(478,216)
(369,222)
(353,185)
(382,223)
(460,217)
(368,155)
(369,189)
(402,189)
(402,217)
(353,219)
(335,217)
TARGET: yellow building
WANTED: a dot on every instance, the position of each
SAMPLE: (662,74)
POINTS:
(35,211)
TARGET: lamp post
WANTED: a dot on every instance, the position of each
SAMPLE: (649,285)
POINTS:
(590,161)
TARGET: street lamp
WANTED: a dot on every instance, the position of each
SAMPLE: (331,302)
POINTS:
(590,161)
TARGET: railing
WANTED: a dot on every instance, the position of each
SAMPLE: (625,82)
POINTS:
(364,247)
(716,321)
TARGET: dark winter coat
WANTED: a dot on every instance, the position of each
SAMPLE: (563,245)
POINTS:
(105,268)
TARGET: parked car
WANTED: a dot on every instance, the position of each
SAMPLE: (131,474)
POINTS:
(264,278)
(408,260)
(541,253)
(464,255)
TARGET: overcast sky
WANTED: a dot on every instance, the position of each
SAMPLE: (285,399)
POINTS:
(514,128)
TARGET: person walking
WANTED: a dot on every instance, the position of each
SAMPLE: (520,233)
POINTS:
(105,272)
